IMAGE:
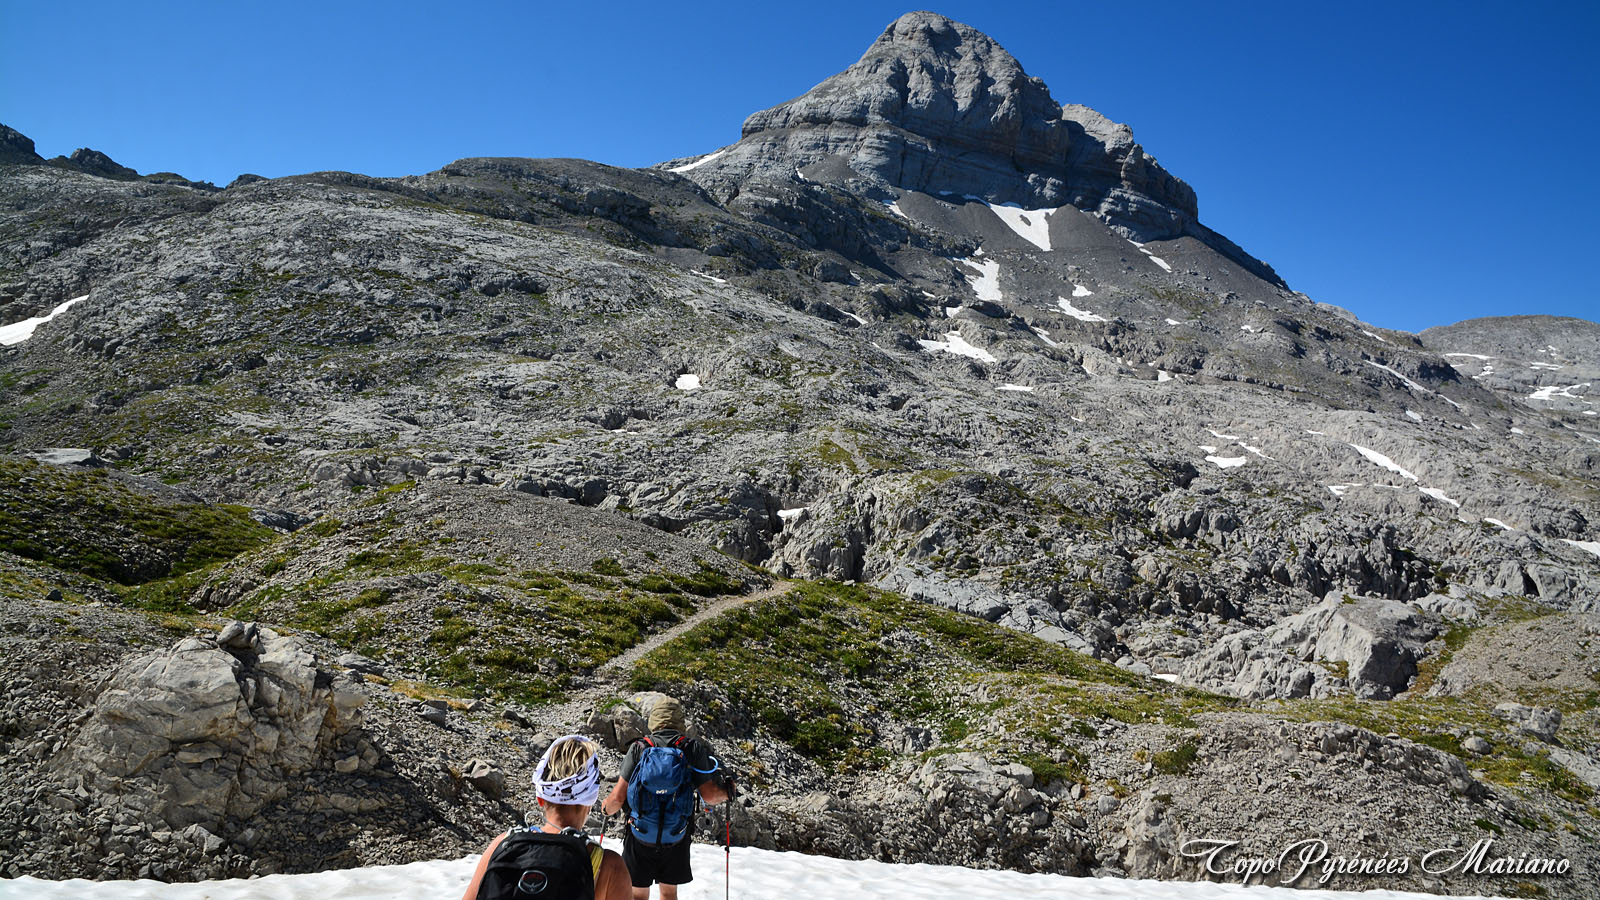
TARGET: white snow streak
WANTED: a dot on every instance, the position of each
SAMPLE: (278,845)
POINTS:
(1026,389)
(894,207)
(955,343)
(1378,337)
(1045,336)
(1408,382)
(703,160)
(1499,524)
(1227,462)
(1554,391)
(17,332)
(1163,375)
(1173,322)
(1413,416)
(1080,314)
(688,382)
(1437,494)
(1384,461)
(1412,384)
(1032,225)
(787,514)
(1478,356)
(986,284)
(707,277)
(1591,546)
(1338,489)
(1079,290)
(1153,258)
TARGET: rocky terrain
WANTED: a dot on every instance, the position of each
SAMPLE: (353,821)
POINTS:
(331,497)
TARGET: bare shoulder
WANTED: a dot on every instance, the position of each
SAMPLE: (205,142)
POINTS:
(614,882)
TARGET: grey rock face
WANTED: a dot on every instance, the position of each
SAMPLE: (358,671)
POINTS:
(1371,645)
(93,162)
(1541,722)
(214,728)
(939,107)
(16,148)
(1544,364)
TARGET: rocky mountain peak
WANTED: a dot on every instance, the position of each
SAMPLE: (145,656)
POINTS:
(939,107)
(936,79)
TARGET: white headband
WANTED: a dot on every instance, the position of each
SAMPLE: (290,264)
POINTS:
(581,789)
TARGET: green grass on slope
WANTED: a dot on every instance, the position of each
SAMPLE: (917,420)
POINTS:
(472,620)
(81,520)
(824,666)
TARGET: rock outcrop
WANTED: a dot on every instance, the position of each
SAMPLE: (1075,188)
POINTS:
(16,148)
(939,107)
(216,728)
(1369,645)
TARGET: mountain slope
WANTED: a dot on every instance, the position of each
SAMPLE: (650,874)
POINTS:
(831,350)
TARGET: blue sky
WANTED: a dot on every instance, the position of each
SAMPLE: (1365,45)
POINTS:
(1417,163)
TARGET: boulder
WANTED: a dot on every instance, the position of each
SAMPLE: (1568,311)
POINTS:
(616,726)
(488,778)
(1541,722)
(206,729)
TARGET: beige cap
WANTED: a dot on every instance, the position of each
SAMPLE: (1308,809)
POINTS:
(666,715)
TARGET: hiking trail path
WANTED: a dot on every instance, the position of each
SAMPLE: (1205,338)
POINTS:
(611,676)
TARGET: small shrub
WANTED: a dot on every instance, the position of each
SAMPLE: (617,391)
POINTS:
(1176,761)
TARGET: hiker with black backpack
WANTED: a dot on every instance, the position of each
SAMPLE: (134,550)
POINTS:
(659,779)
(557,861)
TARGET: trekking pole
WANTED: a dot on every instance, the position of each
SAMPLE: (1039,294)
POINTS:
(727,848)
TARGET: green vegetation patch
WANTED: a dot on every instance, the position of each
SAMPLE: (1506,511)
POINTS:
(787,660)
(82,520)
(1432,721)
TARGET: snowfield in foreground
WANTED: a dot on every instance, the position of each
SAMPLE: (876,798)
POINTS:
(757,875)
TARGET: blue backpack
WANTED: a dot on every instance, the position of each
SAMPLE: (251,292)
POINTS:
(660,795)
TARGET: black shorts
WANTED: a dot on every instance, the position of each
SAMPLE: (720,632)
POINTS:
(648,864)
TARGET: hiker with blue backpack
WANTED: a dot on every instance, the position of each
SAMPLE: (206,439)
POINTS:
(660,779)
(556,861)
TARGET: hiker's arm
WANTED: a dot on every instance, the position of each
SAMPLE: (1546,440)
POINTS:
(713,793)
(483,866)
(613,801)
(614,882)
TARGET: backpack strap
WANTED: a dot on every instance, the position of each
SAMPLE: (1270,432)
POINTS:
(597,857)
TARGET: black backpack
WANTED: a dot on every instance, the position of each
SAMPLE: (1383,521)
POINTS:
(534,865)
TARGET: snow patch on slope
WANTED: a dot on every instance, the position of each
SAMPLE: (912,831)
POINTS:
(702,161)
(1032,225)
(17,332)
(986,284)
(1079,314)
(1383,461)
(956,344)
